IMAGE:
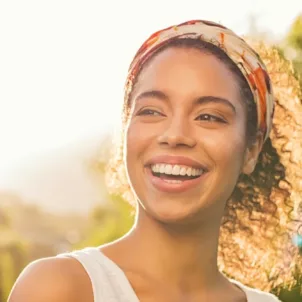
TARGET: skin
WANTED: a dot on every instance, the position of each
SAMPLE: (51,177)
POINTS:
(171,252)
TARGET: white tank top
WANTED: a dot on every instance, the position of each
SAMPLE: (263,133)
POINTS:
(110,284)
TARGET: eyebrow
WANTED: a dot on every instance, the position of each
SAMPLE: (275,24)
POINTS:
(157,94)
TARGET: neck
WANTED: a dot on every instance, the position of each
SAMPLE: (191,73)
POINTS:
(176,254)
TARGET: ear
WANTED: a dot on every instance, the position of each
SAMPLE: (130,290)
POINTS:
(251,154)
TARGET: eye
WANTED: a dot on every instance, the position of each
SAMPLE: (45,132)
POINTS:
(149,112)
(210,118)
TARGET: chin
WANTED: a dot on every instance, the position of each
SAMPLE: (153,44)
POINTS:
(170,212)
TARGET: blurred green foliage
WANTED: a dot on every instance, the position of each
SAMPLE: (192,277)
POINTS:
(294,36)
(108,222)
(28,233)
(294,45)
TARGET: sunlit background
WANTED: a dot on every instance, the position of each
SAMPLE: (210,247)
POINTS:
(62,69)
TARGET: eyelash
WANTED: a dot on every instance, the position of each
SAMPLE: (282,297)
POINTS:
(209,119)
(147,112)
(212,118)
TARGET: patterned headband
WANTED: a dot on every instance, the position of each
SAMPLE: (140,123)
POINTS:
(235,47)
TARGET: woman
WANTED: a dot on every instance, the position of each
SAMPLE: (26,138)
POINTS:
(198,111)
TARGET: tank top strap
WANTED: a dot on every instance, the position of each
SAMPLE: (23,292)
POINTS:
(109,283)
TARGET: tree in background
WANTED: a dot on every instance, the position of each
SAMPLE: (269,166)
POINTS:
(293,46)
(108,222)
(12,255)
(113,217)
(28,233)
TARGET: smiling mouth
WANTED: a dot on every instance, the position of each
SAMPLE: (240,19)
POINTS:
(172,178)
(175,178)
(175,174)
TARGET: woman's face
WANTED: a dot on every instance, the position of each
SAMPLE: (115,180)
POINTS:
(185,139)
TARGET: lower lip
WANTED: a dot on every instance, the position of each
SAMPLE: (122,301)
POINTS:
(167,187)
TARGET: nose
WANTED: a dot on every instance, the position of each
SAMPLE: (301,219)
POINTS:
(177,134)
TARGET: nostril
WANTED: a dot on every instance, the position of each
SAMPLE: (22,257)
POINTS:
(174,140)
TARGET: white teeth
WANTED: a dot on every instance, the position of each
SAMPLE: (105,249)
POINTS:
(173,181)
(183,171)
(176,170)
(162,168)
(168,169)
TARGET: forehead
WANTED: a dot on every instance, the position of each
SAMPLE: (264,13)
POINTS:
(187,72)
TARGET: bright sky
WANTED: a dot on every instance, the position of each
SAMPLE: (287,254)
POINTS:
(63,63)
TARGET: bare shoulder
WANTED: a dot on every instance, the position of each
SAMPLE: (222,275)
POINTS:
(52,279)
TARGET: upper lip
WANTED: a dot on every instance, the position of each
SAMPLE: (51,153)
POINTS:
(176,160)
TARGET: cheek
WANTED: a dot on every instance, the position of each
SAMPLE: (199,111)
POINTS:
(137,139)
(227,148)
(131,149)
(136,143)
(130,144)
(131,133)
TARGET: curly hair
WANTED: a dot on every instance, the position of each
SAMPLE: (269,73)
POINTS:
(264,212)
